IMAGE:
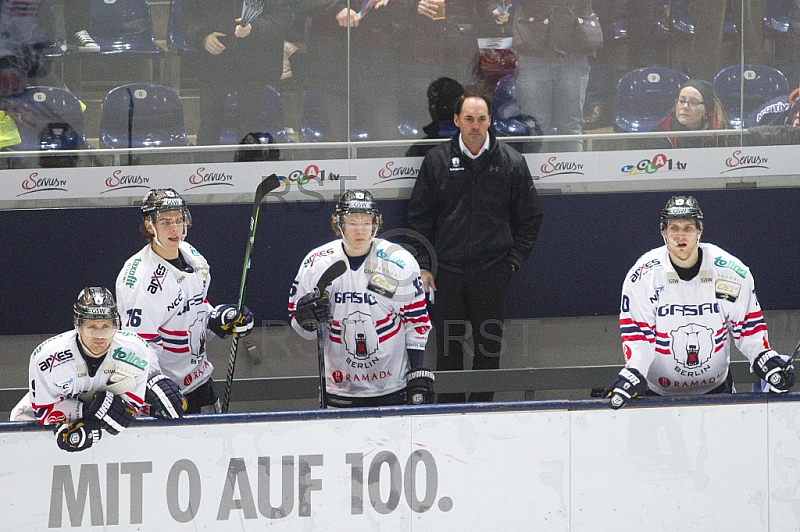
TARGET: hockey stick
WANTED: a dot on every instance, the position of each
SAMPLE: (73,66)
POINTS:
(790,361)
(117,388)
(334,270)
(265,187)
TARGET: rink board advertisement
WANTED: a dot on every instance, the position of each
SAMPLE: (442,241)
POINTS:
(305,180)
(723,466)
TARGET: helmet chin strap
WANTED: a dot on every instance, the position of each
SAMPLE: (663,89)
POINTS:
(155,233)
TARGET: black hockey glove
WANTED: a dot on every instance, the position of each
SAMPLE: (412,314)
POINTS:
(312,310)
(78,436)
(165,398)
(110,410)
(419,390)
(225,319)
(628,384)
(771,367)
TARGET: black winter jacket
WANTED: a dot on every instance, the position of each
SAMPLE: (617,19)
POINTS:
(474,212)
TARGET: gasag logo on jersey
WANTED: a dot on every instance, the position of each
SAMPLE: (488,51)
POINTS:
(204,178)
(650,166)
(643,269)
(312,172)
(311,259)
(737,268)
(354,297)
(554,167)
(155,281)
(391,172)
(55,360)
(33,183)
(688,310)
(737,161)
(121,181)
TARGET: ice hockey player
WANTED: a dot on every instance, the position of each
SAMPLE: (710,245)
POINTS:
(681,303)
(94,378)
(374,313)
(161,293)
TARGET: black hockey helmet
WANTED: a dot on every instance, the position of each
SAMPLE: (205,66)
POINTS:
(682,207)
(162,200)
(95,303)
(357,201)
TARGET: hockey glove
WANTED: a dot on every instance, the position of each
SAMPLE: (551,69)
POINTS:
(312,310)
(225,319)
(419,390)
(771,367)
(165,398)
(628,384)
(111,411)
(78,436)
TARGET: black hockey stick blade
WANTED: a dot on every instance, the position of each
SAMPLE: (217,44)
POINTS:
(266,186)
(328,276)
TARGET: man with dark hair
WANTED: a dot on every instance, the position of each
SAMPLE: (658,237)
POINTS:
(681,303)
(474,202)
(443,93)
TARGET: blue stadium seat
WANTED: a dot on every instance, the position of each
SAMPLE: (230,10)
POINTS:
(175,38)
(505,107)
(761,84)
(273,118)
(311,129)
(123,27)
(142,115)
(645,96)
(39,106)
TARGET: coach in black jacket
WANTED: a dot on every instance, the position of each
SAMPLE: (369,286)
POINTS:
(475,203)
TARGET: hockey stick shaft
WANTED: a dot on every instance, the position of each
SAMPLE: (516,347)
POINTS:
(265,187)
(328,276)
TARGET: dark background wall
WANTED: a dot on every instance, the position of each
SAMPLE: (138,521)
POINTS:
(587,244)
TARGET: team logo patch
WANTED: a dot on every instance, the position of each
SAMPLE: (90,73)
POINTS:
(359,335)
(382,285)
(727,289)
(692,345)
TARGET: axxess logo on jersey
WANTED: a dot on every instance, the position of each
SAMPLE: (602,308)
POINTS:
(155,281)
(55,359)
(311,259)
(643,269)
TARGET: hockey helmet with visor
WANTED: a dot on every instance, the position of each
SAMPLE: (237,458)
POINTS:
(683,208)
(95,303)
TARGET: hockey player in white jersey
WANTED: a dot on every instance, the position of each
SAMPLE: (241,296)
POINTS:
(161,293)
(681,304)
(94,378)
(374,314)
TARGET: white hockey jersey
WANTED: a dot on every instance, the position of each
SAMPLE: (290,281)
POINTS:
(676,332)
(59,375)
(378,311)
(168,308)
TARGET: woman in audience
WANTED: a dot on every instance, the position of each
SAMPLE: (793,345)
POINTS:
(697,108)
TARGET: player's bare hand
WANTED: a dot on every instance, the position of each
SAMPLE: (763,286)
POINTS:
(380,3)
(347,17)
(242,31)
(427,281)
(212,44)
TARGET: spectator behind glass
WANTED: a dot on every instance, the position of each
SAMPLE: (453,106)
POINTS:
(352,64)
(77,15)
(553,73)
(234,59)
(696,109)
(443,94)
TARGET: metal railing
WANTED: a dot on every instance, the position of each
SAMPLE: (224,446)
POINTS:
(527,380)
